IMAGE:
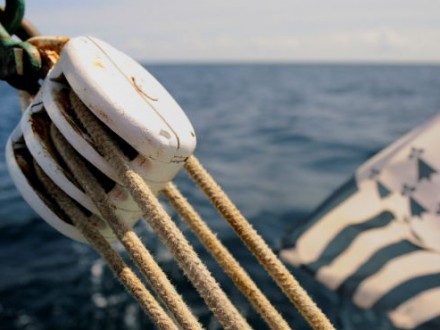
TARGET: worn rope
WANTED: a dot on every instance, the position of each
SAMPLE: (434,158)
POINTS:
(127,277)
(159,220)
(255,243)
(225,259)
(130,240)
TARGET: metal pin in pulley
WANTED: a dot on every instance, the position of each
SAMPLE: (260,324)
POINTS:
(147,123)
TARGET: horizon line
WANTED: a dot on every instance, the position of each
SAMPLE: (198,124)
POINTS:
(291,62)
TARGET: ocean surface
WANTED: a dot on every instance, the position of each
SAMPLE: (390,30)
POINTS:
(278,138)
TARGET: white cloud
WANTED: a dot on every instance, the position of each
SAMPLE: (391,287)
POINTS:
(319,30)
(277,42)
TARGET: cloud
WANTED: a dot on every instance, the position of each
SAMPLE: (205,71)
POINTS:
(277,42)
(384,38)
(195,30)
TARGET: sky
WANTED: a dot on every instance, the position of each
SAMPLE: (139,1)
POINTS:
(252,30)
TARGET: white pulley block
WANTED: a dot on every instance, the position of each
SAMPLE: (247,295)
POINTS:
(151,128)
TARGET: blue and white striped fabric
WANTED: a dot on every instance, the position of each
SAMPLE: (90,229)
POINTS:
(377,239)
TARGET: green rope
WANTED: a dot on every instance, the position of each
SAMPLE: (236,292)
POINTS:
(20,62)
(12,16)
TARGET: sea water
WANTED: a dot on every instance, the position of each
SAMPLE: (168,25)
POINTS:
(278,138)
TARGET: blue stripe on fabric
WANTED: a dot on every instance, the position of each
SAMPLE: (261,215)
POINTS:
(393,298)
(336,198)
(374,264)
(346,236)
(432,324)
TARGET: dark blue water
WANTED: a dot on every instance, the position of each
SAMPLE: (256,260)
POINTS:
(279,139)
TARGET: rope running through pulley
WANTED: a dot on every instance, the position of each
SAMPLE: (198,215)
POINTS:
(98,141)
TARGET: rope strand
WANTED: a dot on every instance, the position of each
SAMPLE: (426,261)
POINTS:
(137,251)
(255,243)
(160,221)
(225,259)
(127,277)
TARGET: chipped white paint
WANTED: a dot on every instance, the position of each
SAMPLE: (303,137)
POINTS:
(126,98)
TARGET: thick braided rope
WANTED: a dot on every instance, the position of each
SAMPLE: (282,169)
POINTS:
(136,250)
(127,277)
(225,259)
(255,243)
(159,220)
